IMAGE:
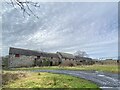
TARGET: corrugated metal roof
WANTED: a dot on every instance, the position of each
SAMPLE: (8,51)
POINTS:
(66,55)
(30,52)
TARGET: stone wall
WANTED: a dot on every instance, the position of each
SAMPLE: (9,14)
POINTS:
(68,62)
(28,61)
(76,62)
(46,61)
(55,61)
(21,61)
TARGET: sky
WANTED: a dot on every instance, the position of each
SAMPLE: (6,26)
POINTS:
(63,26)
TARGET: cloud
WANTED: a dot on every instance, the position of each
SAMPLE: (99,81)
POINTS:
(63,27)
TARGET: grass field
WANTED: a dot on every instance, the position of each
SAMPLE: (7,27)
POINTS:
(46,80)
(104,68)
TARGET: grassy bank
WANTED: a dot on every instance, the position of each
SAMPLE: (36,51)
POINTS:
(47,80)
(104,68)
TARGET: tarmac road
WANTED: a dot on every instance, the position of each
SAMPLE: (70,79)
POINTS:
(106,81)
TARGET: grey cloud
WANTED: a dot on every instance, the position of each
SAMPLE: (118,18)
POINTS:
(62,26)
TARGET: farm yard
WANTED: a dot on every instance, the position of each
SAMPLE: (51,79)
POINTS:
(61,77)
(63,45)
(26,71)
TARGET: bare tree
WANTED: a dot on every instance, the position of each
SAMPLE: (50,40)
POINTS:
(24,6)
(81,54)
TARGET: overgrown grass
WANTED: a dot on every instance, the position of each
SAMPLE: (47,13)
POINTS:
(8,76)
(49,80)
(104,68)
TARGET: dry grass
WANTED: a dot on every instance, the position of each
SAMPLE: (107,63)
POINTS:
(11,76)
(95,67)
(46,80)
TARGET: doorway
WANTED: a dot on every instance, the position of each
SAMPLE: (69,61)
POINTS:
(51,63)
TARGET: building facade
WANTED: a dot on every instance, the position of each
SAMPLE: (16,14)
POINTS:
(30,58)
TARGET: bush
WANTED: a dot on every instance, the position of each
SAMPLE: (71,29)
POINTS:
(68,64)
(39,74)
(46,63)
(5,62)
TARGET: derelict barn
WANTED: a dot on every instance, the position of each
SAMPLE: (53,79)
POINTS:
(83,61)
(27,58)
(66,58)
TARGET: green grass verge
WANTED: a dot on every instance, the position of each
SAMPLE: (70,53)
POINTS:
(104,68)
(49,80)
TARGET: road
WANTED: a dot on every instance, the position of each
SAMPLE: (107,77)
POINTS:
(107,81)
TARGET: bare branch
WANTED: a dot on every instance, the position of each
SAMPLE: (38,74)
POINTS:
(12,3)
(30,10)
(25,6)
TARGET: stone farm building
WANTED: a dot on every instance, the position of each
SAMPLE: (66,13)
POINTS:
(29,58)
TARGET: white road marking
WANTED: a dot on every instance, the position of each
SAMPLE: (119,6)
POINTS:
(107,87)
(117,88)
(107,77)
(101,75)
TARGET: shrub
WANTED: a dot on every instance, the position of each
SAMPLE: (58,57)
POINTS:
(39,74)
(68,64)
